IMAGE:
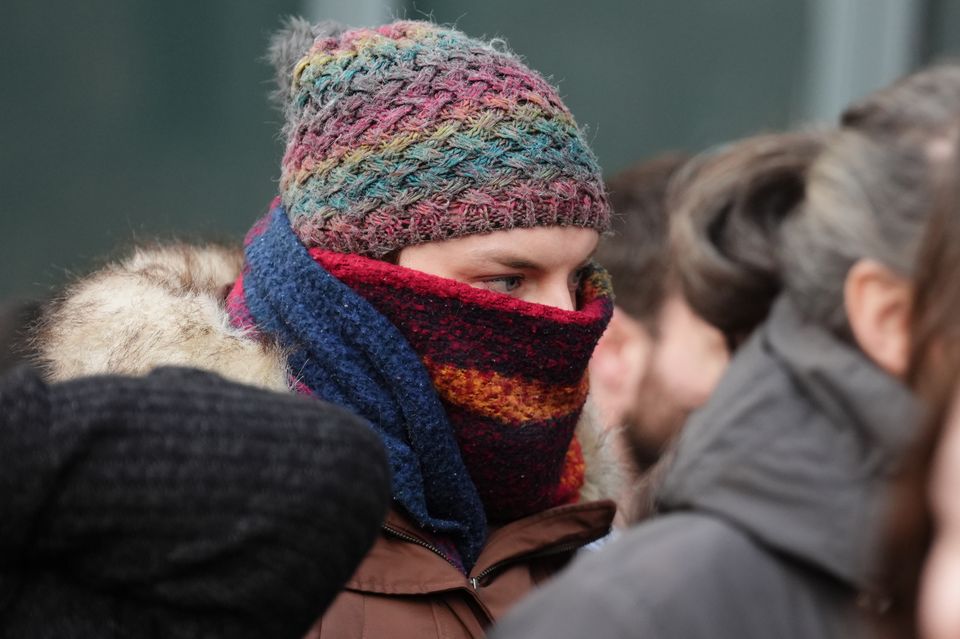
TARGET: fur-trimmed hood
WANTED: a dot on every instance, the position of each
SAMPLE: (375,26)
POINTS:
(165,306)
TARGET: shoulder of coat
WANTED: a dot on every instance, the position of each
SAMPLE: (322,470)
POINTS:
(159,306)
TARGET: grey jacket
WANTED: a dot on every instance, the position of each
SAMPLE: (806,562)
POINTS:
(772,507)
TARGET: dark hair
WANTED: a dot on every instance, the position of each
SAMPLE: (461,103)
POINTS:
(935,323)
(729,206)
(909,532)
(794,212)
(637,253)
(924,101)
(934,372)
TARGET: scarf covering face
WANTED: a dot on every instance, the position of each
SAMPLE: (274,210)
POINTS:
(510,374)
(476,394)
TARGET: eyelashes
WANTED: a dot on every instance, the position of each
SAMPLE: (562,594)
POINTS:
(510,284)
(506,284)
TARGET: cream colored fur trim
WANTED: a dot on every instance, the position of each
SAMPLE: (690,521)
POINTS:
(159,307)
(603,478)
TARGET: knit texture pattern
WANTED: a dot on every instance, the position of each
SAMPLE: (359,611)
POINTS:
(178,505)
(341,349)
(511,374)
(412,133)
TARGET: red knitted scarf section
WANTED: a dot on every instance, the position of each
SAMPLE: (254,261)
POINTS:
(511,374)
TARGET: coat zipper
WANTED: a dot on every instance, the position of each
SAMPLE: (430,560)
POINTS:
(475,581)
(555,550)
(413,540)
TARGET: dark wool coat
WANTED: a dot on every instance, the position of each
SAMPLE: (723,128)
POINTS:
(178,505)
(771,509)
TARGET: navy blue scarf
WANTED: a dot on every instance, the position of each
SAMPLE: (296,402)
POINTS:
(345,352)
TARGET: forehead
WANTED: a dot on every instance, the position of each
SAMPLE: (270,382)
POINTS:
(545,246)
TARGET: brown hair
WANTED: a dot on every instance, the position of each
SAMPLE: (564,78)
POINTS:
(729,207)
(792,213)
(910,527)
(637,253)
(923,101)
(935,373)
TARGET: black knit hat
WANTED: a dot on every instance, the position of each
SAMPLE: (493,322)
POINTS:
(178,505)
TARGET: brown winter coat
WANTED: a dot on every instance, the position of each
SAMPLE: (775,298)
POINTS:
(405,590)
(165,306)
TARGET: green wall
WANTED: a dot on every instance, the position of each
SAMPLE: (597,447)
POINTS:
(126,119)
(942,27)
(650,75)
(129,119)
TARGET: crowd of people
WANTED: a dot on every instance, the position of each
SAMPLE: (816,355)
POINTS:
(456,385)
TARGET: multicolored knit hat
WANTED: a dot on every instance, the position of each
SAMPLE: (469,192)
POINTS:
(413,133)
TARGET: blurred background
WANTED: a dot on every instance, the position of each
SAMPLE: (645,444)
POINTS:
(126,120)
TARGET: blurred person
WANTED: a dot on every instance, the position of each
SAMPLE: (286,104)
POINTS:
(657,361)
(427,266)
(800,248)
(178,505)
(923,575)
(920,578)
(938,611)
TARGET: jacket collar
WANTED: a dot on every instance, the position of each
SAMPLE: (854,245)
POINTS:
(796,446)
(402,563)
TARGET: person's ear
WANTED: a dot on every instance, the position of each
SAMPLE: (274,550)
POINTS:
(878,304)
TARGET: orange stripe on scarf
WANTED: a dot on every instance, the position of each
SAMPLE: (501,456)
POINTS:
(508,399)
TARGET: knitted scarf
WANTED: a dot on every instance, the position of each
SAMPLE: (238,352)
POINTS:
(475,394)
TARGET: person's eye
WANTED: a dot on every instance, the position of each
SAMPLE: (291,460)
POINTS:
(506,284)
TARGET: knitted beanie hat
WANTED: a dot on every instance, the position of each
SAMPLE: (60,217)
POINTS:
(413,133)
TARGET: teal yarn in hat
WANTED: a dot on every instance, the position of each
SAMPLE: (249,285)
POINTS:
(413,133)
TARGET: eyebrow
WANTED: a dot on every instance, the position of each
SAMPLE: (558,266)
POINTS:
(511,260)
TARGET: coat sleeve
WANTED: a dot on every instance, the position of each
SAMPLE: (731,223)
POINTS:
(186,498)
(565,613)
